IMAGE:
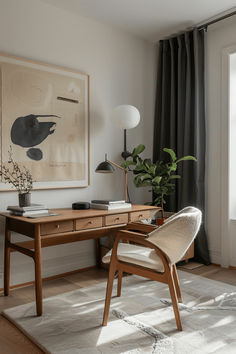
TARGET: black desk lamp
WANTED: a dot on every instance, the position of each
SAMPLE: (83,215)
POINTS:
(107,167)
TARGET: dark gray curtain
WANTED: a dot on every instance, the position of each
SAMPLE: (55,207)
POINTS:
(180,121)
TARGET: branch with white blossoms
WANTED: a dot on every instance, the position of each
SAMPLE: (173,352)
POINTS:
(19,176)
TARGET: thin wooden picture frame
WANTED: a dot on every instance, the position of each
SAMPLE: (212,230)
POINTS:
(56,100)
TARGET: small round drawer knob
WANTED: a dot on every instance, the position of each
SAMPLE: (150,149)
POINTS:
(58,226)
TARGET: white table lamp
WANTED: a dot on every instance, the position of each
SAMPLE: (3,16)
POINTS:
(125,117)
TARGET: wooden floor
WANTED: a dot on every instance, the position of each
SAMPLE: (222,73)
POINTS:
(12,341)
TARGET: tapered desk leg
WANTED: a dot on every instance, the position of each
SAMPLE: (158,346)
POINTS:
(98,253)
(7,260)
(38,271)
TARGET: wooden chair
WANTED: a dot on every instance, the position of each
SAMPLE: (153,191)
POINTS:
(161,248)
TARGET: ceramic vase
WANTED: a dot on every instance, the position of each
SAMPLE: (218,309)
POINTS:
(24,199)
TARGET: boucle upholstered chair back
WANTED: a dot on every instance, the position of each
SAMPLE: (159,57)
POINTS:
(176,235)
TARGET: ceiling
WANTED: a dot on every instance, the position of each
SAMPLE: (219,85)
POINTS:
(150,19)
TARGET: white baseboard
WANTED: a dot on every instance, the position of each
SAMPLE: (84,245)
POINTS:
(233,262)
(215,256)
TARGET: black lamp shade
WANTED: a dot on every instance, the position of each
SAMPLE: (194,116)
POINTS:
(105,167)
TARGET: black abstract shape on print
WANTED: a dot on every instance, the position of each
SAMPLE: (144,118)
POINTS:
(28,132)
(35,154)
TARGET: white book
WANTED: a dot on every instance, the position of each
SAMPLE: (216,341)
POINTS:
(42,215)
(110,206)
(108,202)
(31,207)
(29,213)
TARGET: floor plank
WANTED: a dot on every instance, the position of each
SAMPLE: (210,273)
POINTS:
(216,273)
(12,341)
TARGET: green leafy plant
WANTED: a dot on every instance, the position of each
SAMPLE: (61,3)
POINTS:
(159,176)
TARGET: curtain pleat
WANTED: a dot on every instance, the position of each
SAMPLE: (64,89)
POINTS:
(180,121)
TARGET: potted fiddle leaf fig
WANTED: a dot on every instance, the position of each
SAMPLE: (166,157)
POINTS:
(159,176)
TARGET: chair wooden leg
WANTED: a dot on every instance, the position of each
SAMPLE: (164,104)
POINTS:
(176,281)
(174,301)
(119,283)
(111,276)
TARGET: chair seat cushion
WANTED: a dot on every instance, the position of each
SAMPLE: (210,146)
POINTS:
(142,256)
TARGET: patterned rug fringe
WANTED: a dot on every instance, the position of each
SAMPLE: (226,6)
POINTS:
(162,343)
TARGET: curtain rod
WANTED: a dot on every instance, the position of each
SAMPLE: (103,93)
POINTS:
(205,25)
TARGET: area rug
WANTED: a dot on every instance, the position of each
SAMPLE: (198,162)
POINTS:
(140,321)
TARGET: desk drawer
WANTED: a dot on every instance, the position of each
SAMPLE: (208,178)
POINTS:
(56,227)
(116,219)
(139,215)
(88,223)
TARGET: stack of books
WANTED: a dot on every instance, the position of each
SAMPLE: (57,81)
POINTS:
(109,204)
(31,210)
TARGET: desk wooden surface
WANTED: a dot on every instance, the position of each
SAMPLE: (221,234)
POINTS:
(69,214)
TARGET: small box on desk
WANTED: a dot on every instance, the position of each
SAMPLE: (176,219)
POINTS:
(80,205)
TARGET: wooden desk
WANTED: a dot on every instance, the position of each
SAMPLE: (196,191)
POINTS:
(68,226)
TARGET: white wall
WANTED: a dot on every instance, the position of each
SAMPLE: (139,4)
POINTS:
(232,158)
(122,70)
(221,230)
(232,133)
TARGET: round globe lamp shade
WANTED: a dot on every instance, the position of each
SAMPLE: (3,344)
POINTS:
(125,116)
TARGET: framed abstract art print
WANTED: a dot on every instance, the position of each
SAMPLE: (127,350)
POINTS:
(45,122)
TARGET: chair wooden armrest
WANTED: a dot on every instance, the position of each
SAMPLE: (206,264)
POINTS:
(139,226)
